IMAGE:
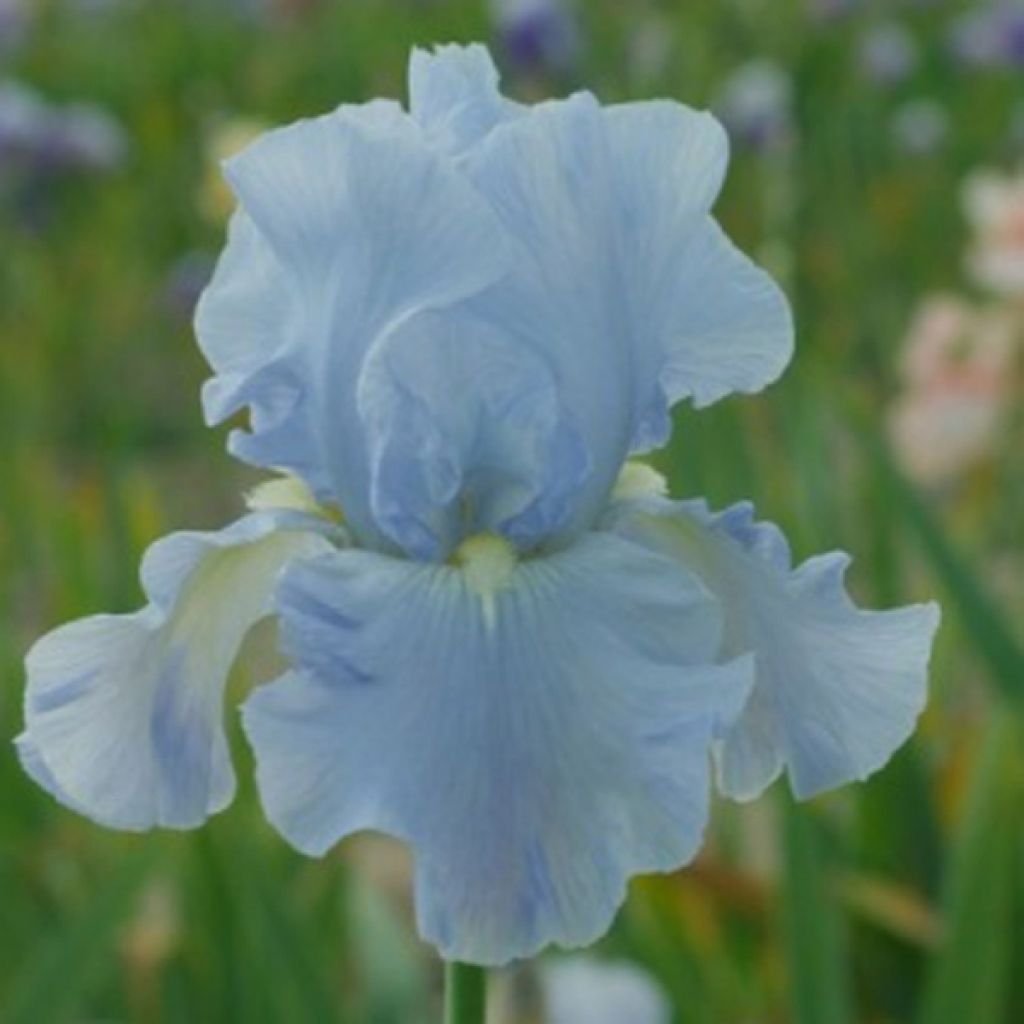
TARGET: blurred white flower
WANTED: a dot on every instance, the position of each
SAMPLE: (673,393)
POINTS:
(919,127)
(994,205)
(756,105)
(25,119)
(650,48)
(585,990)
(958,368)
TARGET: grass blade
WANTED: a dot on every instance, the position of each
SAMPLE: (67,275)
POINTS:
(812,925)
(969,979)
(993,640)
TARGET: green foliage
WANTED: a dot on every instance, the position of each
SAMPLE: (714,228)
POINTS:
(901,900)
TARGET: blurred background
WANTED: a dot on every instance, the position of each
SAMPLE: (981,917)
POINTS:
(876,148)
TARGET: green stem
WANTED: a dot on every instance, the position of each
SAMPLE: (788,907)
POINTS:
(465,994)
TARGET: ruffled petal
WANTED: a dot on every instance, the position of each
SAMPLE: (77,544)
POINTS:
(837,689)
(248,321)
(501,457)
(709,322)
(580,235)
(547,176)
(537,733)
(454,96)
(623,280)
(351,222)
(123,713)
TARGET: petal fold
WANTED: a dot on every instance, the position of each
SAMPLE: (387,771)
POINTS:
(123,713)
(536,745)
(578,235)
(501,457)
(350,223)
(547,177)
(837,689)
(623,280)
(708,321)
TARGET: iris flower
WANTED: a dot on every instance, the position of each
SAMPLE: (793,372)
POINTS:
(453,326)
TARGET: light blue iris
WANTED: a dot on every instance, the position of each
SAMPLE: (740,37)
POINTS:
(456,324)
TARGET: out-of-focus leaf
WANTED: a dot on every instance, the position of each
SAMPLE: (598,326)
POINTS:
(812,925)
(53,980)
(292,952)
(274,962)
(994,642)
(391,967)
(893,907)
(969,978)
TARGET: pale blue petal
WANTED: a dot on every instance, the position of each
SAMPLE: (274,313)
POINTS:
(727,326)
(454,97)
(467,435)
(580,235)
(248,321)
(351,223)
(548,177)
(707,321)
(837,689)
(123,713)
(535,752)
(35,768)
(623,280)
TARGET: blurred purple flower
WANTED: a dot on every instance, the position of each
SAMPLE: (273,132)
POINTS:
(829,9)
(39,138)
(1013,27)
(13,23)
(537,35)
(989,37)
(85,137)
(755,105)
(888,53)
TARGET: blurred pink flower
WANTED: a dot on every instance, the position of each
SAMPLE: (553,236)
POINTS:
(958,368)
(995,207)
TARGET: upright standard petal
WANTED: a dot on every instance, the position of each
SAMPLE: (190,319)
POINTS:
(708,322)
(454,95)
(547,177)
(359,223)
(538,731)
(581,235)
(837,689)
(123,713)
(623,280)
